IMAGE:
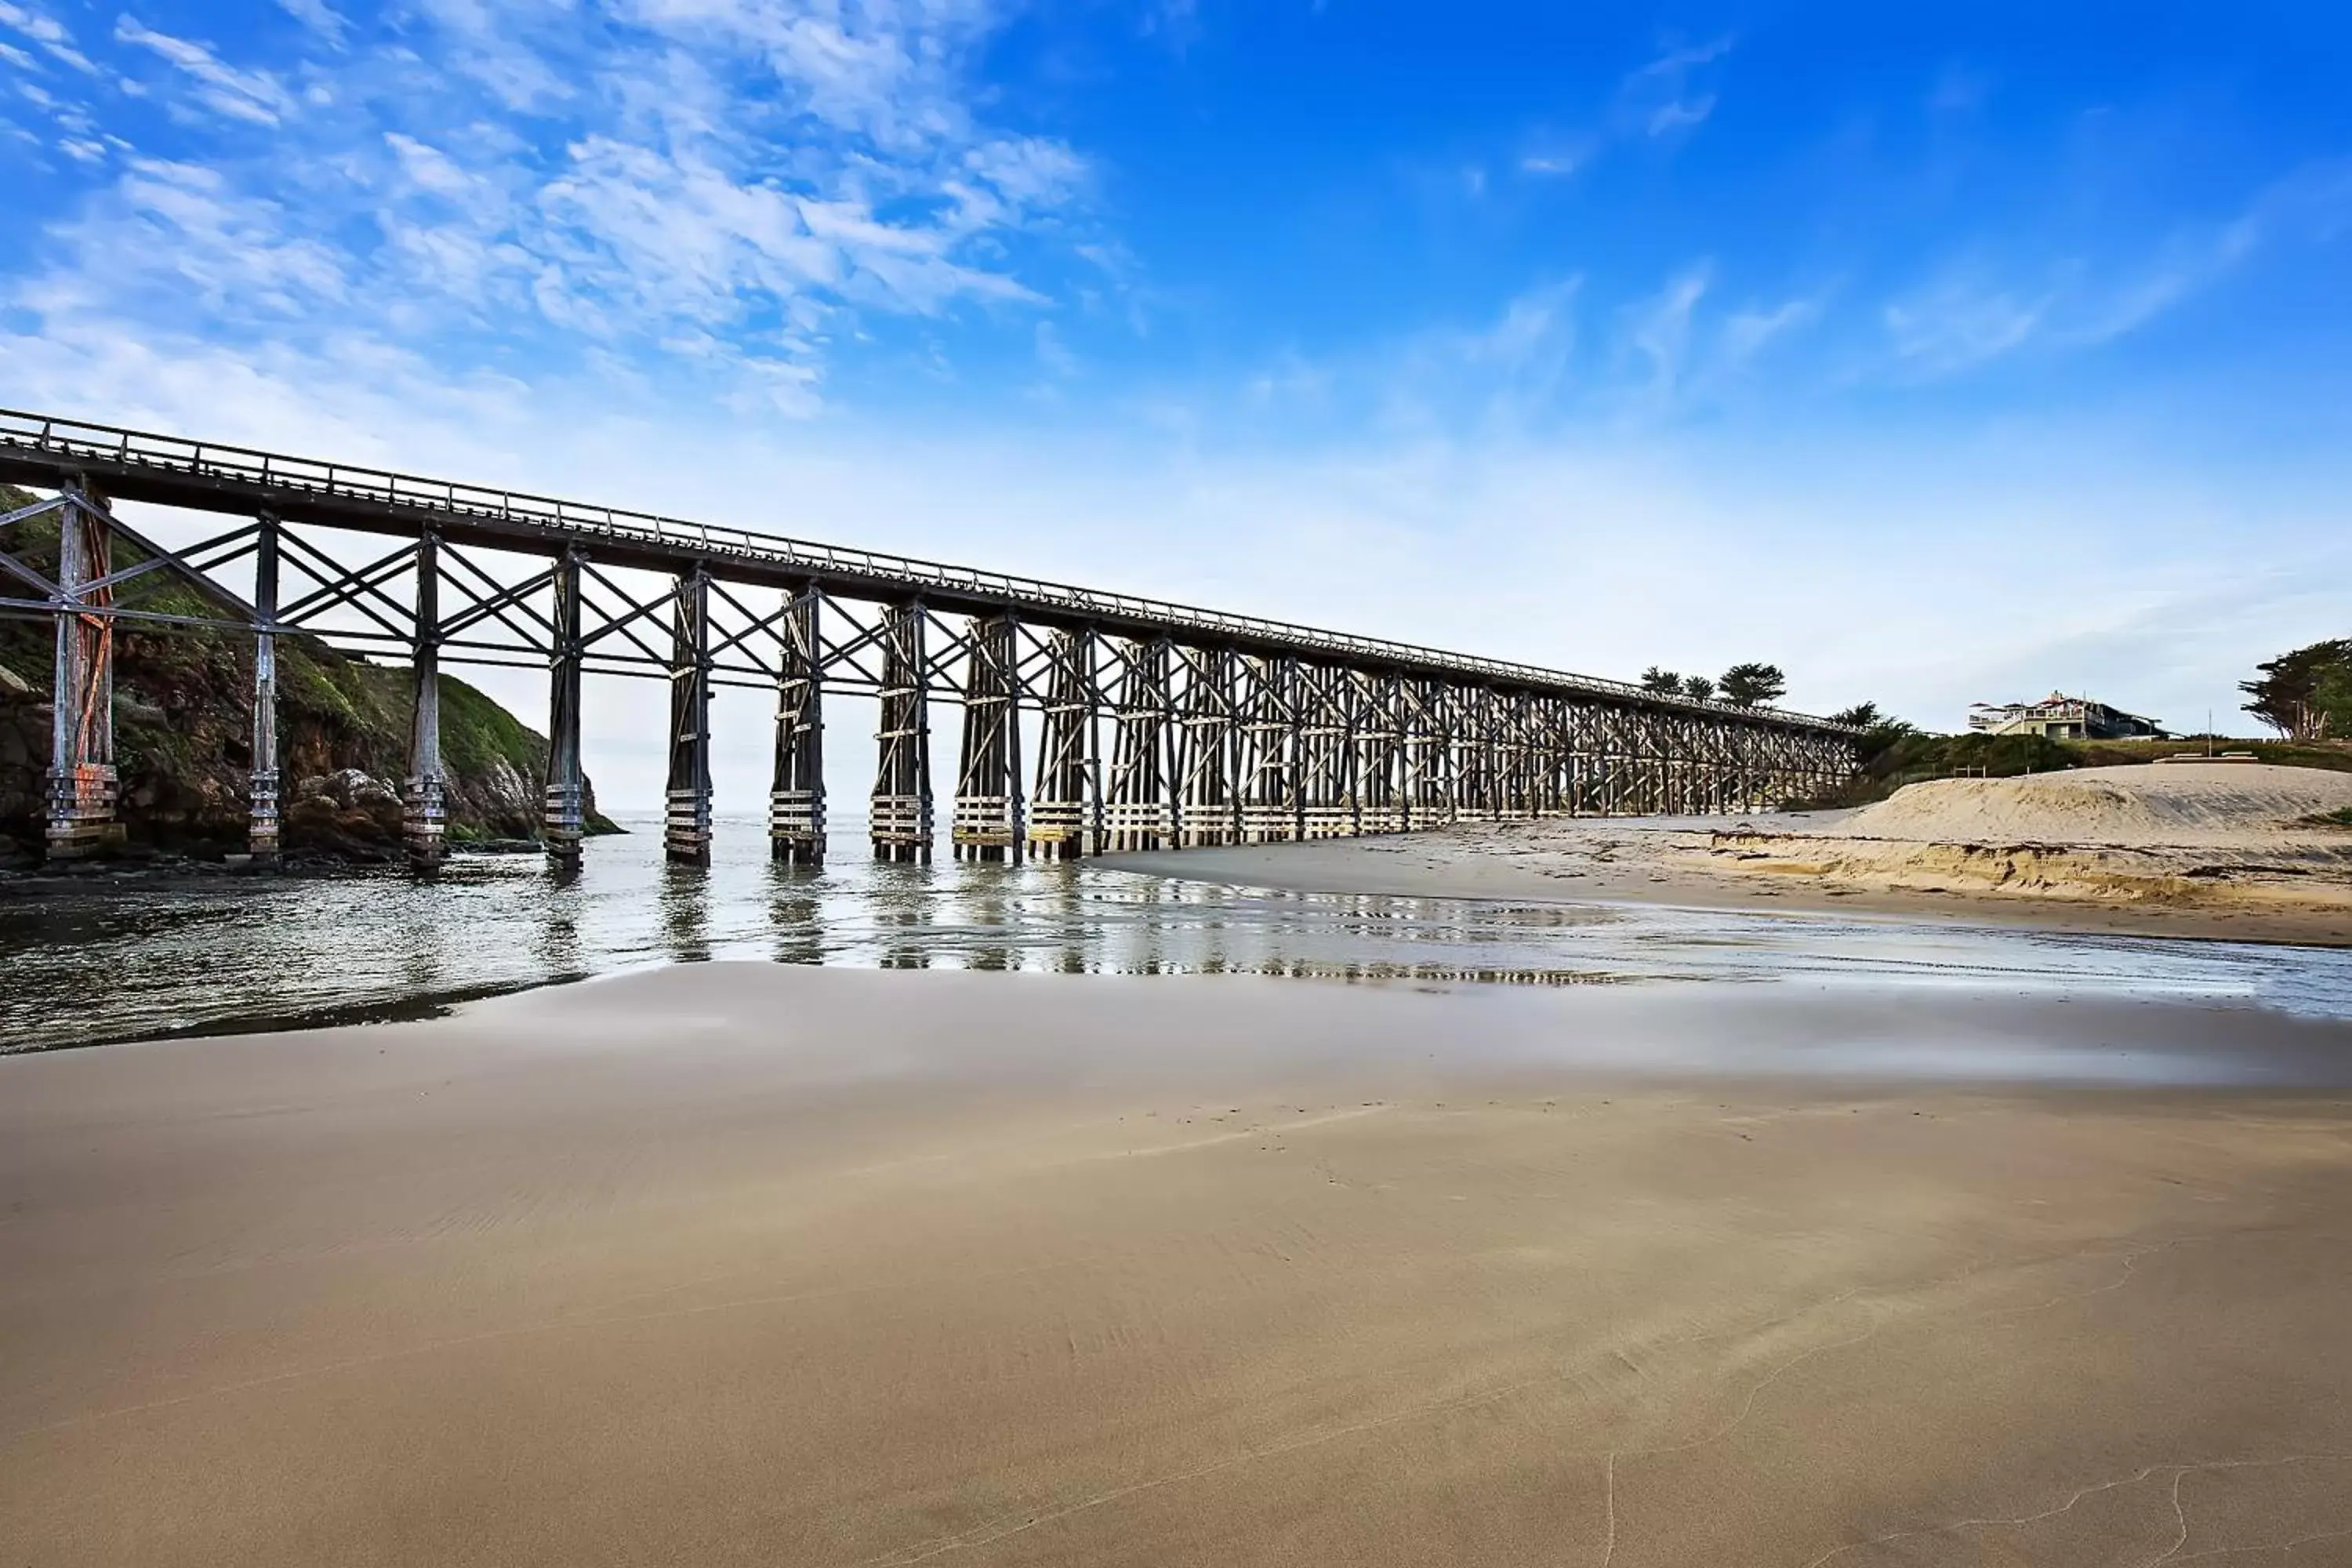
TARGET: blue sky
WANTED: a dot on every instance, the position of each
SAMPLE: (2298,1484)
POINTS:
(1938,353)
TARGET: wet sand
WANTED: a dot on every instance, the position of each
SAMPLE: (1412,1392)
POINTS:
(737,1263)
(1791,861)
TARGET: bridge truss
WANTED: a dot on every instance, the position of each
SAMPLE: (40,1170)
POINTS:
(1157,726)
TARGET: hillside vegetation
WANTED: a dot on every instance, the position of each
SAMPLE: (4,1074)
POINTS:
(183,735)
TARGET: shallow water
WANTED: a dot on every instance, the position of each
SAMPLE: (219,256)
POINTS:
(141,958)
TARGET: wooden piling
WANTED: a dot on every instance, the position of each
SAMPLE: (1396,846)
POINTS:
(686,825)
(1062,809)
(424,794)
(1138,811)
(563,817)
(1268,772)
(262,794)
(1202,730)
(986,825)
(899,812)
(83,785)
(796,793)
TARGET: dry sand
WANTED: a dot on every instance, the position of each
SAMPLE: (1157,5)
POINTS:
(742,1264)
(2217,849)
(2252,806)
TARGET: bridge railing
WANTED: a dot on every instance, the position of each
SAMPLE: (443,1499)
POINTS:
(69,438)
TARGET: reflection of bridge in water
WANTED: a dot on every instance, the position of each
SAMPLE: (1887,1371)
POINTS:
(1151,725)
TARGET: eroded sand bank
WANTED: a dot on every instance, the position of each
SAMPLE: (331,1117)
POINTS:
(734,1263)
(2215,851)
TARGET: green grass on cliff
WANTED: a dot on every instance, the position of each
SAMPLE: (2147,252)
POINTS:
(476,733)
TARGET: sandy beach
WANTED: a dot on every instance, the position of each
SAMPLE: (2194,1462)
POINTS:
(2202,850)
(764,1264)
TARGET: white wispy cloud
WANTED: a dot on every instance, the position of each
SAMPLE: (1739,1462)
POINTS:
(319,17)
(1654,100)
(179,239)
(1555,161)
(1977,311)
(1747,332)
(1681,114)
(1549,359)
(250,95)
(1659,328)
(47,32)
(1958,323)
(1509,372)
(671,173)
(1659,98)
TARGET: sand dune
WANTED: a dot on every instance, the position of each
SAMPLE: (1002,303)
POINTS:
(2248,804)
(2228,841)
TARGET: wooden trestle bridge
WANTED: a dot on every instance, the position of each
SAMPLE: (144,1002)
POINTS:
(1158,726)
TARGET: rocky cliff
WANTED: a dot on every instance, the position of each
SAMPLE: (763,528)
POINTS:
(184,736)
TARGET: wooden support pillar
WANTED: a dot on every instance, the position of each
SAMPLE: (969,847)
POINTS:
(262,822)
(83,785)
(900,812)
(987,822)
(1063,808)
(797,795)
(424,796)
(1511,723)
(1325,751)
(1140,797)
(1624,763)
(1553,764)
(1493,712)
(1207,806)
(686,827)
(1295,704)
(562,818)
(1268,774)
(1461,730)
(1379,753)
(1171,746)
(1428,755)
